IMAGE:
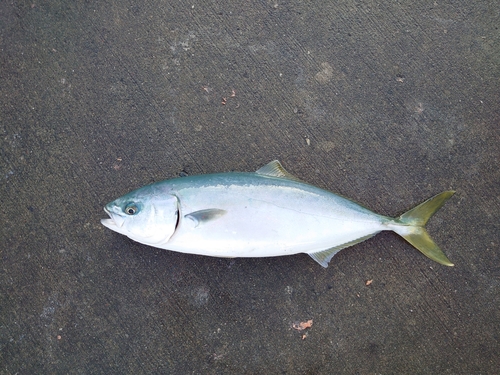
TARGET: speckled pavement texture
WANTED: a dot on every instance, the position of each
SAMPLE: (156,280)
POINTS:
(384,102)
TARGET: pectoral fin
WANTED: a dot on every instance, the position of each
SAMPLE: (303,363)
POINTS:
(204,216)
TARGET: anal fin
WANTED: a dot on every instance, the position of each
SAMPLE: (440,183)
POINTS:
(323,257)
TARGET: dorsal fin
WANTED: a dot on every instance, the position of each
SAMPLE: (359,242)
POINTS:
(275,169)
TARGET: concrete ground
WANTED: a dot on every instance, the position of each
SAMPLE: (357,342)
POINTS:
(387,103)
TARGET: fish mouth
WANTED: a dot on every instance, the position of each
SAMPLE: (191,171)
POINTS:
(115,221)
(108,223)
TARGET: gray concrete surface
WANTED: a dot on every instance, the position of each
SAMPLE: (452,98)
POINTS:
(384,102)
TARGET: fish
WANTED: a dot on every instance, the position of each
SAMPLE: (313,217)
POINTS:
(265,213)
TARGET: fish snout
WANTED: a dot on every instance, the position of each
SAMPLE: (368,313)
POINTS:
(115,220)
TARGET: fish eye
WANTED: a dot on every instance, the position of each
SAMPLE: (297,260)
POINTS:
(131,209)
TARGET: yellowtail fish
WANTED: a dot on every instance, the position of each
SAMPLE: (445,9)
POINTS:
(260,214)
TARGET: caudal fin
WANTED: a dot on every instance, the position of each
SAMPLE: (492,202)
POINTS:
(411,226)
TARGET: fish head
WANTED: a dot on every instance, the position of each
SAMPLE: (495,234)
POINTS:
(144,216)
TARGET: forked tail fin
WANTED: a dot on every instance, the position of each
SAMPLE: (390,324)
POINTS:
(411,226)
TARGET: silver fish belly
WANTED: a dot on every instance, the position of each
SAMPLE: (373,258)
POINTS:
(261,214)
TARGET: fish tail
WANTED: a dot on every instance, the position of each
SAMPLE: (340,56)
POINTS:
(411,226)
